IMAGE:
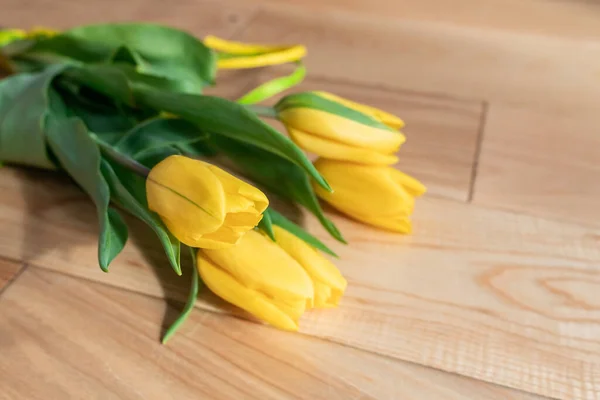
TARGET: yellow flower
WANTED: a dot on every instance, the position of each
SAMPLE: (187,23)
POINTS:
(377,195)
(260,277)
(202,205)
(336,128)
(328,282)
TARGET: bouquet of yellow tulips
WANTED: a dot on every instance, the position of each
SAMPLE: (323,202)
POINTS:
(120,109)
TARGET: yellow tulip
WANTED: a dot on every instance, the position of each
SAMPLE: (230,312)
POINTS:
(328,282)
(202,205)
(336,128)
(377,195)
(389,119)
(260,277)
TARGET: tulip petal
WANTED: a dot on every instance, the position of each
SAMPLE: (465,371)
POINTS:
(222,238)
(389,119)
(327,279)
(370,194)
(339,151)
(337,128)
(188,197)
(260,264)
(241,195)
(256,303)
(243,221)
(412,185)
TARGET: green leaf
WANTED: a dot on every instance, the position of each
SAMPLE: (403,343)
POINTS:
(278,175)
(274,87)
(226,118)
(266,224)
(105,79)
(23,108)
(313,100)
(189,305)
(78,154)
(106,120)
(158,50)
(134,201)
(283,222)
(116,80)
(124,54)
(158,133)
(152,157)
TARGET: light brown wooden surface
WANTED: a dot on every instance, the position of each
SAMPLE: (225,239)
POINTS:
(116,354)
(498,283)
(552,170)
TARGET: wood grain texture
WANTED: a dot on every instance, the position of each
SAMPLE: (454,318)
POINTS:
(8,271)
(455,61)
(201,17)
(116,354)
(442,132)
(577,19)
(541,163)
(501,297)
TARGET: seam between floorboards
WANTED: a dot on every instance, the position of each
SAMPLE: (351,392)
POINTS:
(478,145)
(14,278)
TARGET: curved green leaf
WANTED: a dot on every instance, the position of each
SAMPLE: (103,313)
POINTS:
(157,133)
(229,119)
(189,304)
(78,154)
(281,221)
(134,201)
(23,109)
(266,225)
(157,50)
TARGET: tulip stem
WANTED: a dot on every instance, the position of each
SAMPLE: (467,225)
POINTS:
(263,111)
(189,305)
(121,158)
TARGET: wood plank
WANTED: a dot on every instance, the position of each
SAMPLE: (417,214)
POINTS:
(570,19)
(8,271)
(455,61)
(442,132)
(201,17)
(105,345)
(501,297)
(541,163)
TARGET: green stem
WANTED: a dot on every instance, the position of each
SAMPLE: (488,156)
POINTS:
(121,158)
(189,305)
(263,111)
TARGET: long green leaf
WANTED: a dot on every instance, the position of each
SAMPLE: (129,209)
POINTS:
(103,118)
(132,200)
(226,118)
(189,305)
(281,221)
(23,108)
(266,225)
(158,50)
(158,133)
(79,156)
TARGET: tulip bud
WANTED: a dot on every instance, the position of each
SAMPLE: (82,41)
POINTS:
(376,195)
(260,277)
(202,205)
(339,129)
(327,280)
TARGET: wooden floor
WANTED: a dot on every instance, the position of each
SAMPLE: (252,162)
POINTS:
(495,296)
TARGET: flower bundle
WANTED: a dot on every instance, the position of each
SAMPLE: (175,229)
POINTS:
(120,109)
